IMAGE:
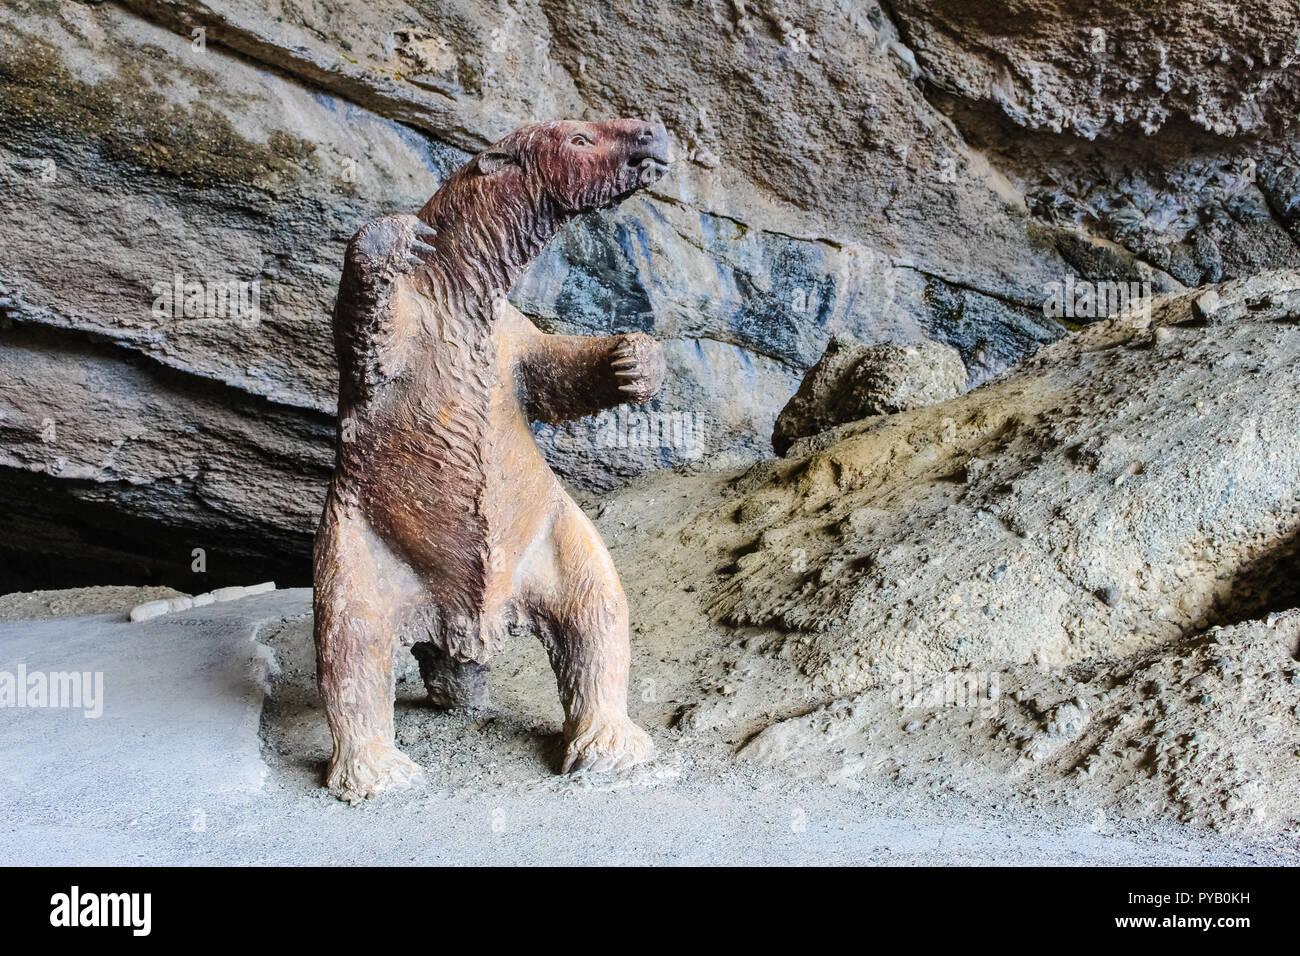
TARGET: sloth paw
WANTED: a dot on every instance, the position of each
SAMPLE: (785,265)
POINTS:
(638,364)
(392,245)
(412,250)
(365,772)
(611,744)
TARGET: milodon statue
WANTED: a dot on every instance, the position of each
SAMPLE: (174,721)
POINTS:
(444,526)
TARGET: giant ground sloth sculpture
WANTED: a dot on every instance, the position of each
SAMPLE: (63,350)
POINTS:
(444,525)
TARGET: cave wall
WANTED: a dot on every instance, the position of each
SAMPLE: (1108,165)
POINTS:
(920,168)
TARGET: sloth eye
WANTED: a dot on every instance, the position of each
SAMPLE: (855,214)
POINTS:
(580,140)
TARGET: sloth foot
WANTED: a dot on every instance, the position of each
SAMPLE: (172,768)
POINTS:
(365,772)
(610,744)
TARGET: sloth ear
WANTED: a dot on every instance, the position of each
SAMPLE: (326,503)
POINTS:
(493,162)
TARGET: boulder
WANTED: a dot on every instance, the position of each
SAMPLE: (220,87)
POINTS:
(852,381)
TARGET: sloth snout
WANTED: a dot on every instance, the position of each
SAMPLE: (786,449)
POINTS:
(650,146)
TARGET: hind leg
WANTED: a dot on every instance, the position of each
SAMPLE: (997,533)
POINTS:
(451,683)
(354,665)
(584,624)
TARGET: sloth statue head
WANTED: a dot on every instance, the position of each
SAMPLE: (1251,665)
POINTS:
(514,196)
(582,167)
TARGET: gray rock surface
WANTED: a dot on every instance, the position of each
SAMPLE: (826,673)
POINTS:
(1167,129)
(851,382)
(887,173)
(75,602)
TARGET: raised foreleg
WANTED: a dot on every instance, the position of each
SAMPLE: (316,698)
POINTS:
(569,376)
(384,253)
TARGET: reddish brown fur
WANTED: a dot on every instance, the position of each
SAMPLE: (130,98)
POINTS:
(444,526)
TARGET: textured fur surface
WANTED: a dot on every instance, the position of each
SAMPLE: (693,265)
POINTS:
(444,526)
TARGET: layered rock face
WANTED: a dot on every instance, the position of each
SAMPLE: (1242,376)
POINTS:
(179,180)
